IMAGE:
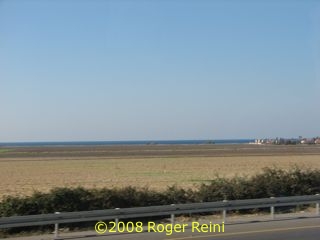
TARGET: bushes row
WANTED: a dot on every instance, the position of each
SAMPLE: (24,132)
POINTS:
(271,182)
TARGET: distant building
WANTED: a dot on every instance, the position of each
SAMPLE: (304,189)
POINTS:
(308,141)
(287,141)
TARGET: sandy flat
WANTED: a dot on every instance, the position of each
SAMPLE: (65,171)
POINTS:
(23,171)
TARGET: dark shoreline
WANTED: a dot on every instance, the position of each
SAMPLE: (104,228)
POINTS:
(157,150)
(117,143)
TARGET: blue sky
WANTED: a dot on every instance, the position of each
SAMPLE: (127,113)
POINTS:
(140,70)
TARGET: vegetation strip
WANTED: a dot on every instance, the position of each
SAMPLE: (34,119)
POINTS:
(271,182)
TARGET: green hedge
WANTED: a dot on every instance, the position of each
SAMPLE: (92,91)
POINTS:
(272,182)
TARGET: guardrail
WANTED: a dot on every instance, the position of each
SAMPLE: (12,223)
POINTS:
(165,210)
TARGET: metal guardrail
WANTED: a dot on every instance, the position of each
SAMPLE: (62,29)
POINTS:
(165,210)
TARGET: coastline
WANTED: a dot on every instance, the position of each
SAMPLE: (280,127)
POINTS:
(130,142)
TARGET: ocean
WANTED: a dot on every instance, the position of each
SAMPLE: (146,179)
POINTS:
(141,142)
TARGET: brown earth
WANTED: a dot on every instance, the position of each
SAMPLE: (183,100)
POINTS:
(27,169)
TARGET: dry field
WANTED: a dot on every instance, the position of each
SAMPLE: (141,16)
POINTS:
(24,170)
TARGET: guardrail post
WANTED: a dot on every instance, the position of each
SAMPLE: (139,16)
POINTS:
(56,229)
(172,216)
(317,206)
(272,210)
(224,213)
(117,220)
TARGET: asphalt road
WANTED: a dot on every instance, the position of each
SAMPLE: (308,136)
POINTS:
(298,229)
(294,229)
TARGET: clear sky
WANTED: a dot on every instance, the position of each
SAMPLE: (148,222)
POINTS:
(158,70)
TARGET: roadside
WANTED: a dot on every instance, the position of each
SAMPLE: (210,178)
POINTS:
(233,222)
